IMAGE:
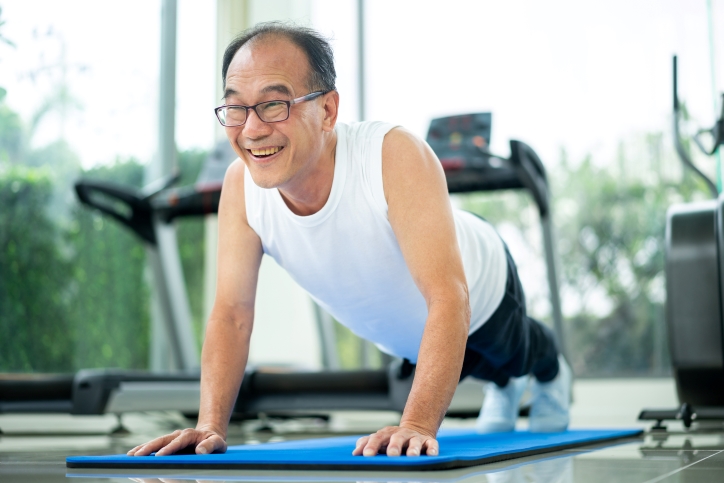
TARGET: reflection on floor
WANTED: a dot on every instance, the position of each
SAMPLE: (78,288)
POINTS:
(33,448)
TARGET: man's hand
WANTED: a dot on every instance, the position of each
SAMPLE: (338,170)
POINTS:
(393,440)
(205,442)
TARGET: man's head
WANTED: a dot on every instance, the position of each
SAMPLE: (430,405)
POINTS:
(274,61)
(322,76)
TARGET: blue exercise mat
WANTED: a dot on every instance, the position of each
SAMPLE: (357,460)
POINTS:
(458,449)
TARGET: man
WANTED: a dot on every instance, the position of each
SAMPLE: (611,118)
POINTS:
(360,216)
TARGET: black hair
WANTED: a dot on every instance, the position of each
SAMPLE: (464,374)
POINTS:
(322,75)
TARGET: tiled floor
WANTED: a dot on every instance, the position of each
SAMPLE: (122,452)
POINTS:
(33,448)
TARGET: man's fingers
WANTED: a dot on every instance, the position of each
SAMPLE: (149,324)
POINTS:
(414,446)
(431,447)
(153,445)
(397,443)
(132,452)
(205,442)
(360,446)
(146,448)
(186,438)
(373,444)
(211,444)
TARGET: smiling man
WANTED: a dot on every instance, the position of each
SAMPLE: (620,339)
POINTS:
(360,217)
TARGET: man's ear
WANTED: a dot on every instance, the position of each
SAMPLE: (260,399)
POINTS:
(331,109)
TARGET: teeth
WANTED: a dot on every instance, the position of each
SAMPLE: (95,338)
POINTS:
(265,152)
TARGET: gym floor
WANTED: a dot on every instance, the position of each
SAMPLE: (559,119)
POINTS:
(33,448)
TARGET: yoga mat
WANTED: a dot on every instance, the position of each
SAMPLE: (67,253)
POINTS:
(458,449)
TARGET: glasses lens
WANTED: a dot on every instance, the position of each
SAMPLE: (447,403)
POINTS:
(273,111)
(232,116)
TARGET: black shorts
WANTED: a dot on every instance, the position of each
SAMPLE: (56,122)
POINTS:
(509,343)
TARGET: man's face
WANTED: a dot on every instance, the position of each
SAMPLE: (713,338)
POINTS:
(273,69)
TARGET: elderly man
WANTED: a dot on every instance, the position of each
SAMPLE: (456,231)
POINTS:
(360,217)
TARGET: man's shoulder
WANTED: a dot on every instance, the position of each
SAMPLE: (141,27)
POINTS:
(233,186)
(399,141)
(408,163)
(234,177)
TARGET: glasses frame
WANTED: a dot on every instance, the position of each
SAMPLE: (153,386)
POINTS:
(298,100)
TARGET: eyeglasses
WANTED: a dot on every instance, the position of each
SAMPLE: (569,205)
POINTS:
(269,111)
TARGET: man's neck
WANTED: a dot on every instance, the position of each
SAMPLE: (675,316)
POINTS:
(308,194)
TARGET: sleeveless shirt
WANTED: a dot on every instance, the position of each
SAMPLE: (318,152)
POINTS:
(347,257)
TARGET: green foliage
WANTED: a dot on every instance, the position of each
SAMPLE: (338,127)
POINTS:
(613,255)
(349,347)
(73,290)
(614,230)
(72,294)
(353,350)
(64,164)
(12,134)
(35,276)
(109,310)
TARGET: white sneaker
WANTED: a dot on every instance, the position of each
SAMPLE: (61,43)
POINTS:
(550,402)
(500,406)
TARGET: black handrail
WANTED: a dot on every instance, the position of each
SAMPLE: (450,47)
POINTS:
(680,149)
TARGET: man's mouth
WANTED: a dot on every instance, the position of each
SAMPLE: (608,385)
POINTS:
(265,152)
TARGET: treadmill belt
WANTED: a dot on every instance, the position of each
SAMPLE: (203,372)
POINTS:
(458,449)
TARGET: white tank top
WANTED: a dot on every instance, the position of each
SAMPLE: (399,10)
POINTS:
(348,259)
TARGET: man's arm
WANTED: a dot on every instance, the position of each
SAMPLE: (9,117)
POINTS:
(421,216)
(226,344)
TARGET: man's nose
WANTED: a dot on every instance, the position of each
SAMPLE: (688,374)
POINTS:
(254,127)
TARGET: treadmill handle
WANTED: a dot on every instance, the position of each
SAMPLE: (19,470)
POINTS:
(138,217)
(155,187)
(531,173)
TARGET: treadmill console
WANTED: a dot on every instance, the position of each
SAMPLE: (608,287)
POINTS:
(461,142)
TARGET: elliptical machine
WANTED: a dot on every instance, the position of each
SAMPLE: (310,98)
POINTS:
(695,290)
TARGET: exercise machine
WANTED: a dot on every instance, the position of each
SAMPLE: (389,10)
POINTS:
(695,289)
(150,212)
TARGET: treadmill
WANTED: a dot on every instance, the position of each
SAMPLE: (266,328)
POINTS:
(150,212)
(695,290)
